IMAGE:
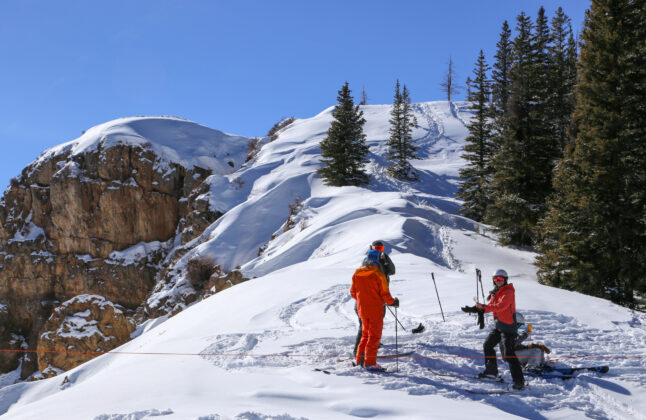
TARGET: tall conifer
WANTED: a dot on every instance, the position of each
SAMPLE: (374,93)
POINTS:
(344,150)
(563,57)
(401,147)
(501,83)
(478,151)
(594,236)
(512,211)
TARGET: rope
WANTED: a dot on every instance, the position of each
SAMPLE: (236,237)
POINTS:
(412,356)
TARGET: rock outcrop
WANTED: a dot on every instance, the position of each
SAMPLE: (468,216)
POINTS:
(99,216)
(78,330)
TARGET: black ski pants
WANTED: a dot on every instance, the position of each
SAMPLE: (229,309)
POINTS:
(508,344)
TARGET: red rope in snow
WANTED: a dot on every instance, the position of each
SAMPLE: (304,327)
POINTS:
(412,356)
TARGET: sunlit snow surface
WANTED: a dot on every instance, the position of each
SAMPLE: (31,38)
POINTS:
(250,352)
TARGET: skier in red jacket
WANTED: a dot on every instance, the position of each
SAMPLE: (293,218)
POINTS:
(370,289)
(503,305)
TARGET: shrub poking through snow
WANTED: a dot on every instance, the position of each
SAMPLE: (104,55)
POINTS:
(294,208)
(199,270)
(273,131)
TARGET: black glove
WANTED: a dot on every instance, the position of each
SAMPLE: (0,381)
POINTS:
(469,309)
(481,323)
(396,303)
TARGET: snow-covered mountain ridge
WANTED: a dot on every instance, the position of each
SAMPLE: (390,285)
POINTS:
(214,360)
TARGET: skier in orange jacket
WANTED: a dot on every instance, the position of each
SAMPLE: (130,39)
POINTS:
(370,289)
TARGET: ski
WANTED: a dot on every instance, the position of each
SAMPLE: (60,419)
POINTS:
(327,372)
(571,371)
(385,356)
(377,370)
(549,375)
(497,379)
(488,392)
(550,372)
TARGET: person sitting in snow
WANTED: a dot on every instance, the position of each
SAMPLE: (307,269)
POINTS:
(387,267)
(370,290)
(503,305)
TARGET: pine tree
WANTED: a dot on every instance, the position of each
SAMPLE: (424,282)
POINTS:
(468,84)
(594,236)
(501,83)
(512,213)
(545,146)
(501,75)
(344,150)
(562,78)
(401,147)
(476,175)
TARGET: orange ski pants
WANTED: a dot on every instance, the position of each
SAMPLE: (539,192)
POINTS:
(369,344)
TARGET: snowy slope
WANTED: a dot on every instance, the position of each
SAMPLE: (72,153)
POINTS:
(250,352)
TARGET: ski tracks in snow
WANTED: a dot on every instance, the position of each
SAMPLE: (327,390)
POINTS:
(453,348)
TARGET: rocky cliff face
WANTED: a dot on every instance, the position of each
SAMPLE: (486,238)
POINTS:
(97,220)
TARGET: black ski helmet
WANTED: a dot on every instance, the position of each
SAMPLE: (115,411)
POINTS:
(376,244)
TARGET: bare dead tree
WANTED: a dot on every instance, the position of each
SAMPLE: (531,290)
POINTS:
(449,84)
(364,96)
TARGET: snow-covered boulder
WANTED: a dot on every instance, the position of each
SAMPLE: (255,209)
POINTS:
(78,330)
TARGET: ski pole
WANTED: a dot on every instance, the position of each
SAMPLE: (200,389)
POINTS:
(479,279)
(478,291)
(396,319)
(438,296)
(396,347)
(484,300)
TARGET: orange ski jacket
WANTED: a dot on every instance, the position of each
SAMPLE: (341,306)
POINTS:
(370,289)
(503,305)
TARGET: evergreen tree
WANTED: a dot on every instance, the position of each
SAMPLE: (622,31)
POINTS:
(545,149)
(594,236)
(344,150)
(563,57)
(512,212)
(476,175)
(468,85)
(501,83)
(401,147)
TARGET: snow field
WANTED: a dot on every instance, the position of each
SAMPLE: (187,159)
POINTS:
(250,351)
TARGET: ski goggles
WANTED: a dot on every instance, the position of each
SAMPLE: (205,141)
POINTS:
(379,248)
(499,278)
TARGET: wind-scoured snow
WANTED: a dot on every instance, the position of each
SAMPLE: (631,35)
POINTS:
(250,352)
(174,140)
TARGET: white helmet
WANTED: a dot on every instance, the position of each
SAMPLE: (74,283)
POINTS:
(520,319)
(500,272)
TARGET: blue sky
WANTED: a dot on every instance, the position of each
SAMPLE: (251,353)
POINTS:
(236,66)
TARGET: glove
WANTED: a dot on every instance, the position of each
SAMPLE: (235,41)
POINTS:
(481,323)
(396,303)
(469,309)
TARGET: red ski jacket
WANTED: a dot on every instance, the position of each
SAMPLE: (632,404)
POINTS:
(370,289)
(503,305)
